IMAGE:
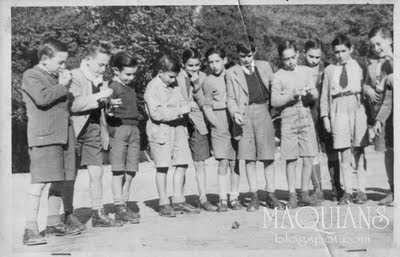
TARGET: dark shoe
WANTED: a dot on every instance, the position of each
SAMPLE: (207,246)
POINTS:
(361,198)
(337,191)
(166,211)
(32,237)
(135,216)
(207,206)
(306,200)
(235,205)
(62,229)
(223,205)
(184,208)
(346,199)
(388,200)
(254,203)
(74,224)
(100,219)
(273,202)
(318,195)
(292,203)
(123,216)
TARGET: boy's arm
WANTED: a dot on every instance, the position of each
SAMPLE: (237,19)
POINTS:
(41,95)
(324,101)
(161,111)
(387,105)
(279,98)
(80,101)
(208,101)
(198,94)
(231,97)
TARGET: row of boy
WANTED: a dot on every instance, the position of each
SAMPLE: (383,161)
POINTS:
(235,103)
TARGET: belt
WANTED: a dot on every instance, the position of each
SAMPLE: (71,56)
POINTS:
(347,93)
(260,102)
(219,109)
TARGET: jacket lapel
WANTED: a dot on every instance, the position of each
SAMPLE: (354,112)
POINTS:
(241,79)
(263,74)
(180,79)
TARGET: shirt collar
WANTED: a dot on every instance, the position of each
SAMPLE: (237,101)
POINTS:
(44,68)
(162,83)
(118,80)
(95,80)
(246,70)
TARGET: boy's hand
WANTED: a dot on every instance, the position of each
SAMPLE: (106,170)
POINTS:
(64,78)
(195,77)
(378,128)
(238,119)
(184,109)
(104,93)
(115,103)
(193,106)
(327,124)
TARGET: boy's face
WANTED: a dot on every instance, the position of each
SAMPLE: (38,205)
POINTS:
(381,46)
(126,75)
(56,63)
(313,57)
(192,66)
(289,59)
(167,77)
(246,59)
(97,63)
(216,63)
(342,53)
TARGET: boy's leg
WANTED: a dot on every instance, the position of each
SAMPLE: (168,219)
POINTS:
(32,203)
(201,180)
(235,180)
(251,174)
(161,183)
(291,179)
(317,180)
(361,169)
(223,185)
(305,199)
(388,200)
(269,175)
(346,156)
(334,172)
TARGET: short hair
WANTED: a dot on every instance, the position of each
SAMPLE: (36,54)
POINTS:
(190,53)
(312,44)
(50,46)
(287,44)
(215,50)
(245,44)
(95,47)
(384,31)
(123,59)
(168,63)
(341,39)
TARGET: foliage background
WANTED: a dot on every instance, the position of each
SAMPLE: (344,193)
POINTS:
(151,31)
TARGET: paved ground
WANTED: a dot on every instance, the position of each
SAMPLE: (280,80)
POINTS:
(323,231)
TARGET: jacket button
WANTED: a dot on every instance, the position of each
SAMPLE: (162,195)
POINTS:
(245,104)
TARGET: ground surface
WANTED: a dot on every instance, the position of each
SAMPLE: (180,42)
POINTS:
(323,231)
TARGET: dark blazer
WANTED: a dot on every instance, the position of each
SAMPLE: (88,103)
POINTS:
(46,107)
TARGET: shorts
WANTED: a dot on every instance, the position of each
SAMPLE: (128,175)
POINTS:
(199,144)
(52,163)
(124,148)
(175,151)
(298,133)
(89,146)
(348,122)
(224,146)
(258,139)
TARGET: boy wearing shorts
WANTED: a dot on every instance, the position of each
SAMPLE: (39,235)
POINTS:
(167,135)
(51,140)
(88,118)
(248,93)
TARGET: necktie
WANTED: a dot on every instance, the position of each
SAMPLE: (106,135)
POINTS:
(343,78)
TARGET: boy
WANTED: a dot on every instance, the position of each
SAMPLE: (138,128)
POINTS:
(124,134)
(51,141)
(190,81)
(167,135)
(89,93)
(248,92)
(343,114)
